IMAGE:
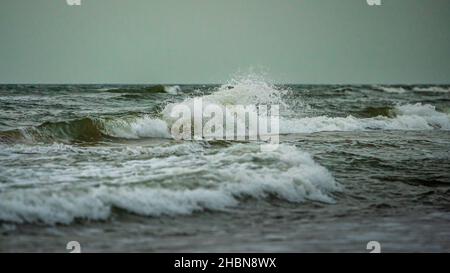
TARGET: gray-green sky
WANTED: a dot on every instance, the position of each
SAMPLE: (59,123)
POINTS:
(205,41)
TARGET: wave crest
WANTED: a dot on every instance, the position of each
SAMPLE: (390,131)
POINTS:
(408,117)
(90,130)
(236,172)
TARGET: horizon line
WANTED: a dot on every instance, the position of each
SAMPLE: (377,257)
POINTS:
(209,83)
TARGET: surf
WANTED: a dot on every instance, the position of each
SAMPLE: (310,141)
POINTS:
(296,116)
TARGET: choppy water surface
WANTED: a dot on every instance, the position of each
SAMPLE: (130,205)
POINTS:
(97,164)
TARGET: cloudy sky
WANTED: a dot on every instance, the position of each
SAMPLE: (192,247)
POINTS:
(206,41)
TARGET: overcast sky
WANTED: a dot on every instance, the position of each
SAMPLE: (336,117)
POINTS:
(206,41)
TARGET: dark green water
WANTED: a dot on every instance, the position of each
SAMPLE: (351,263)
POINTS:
(97,164)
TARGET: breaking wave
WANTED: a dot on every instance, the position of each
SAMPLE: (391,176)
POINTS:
(403,89)
(437,89)
(90,130)
(236,172)
(251,90)
(391,89)
(248,91)
(89,182)
(170,89)
(407,117)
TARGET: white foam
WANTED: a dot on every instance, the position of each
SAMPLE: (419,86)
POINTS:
(220,182)
(244,91)
(249,91)
(33,205)
(111,152)
(254,90)
(390,89)
(409,117)
(437,89)
(173,90)
(142,127)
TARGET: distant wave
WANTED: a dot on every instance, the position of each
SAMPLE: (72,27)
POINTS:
(154,89)
(403,89)
(391,89)
(407,117)
(237,92)
(437,89)
(173,90)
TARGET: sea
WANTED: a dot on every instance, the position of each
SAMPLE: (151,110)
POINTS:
(97,164)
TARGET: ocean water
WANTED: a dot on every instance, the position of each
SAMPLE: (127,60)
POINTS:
(97,164)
